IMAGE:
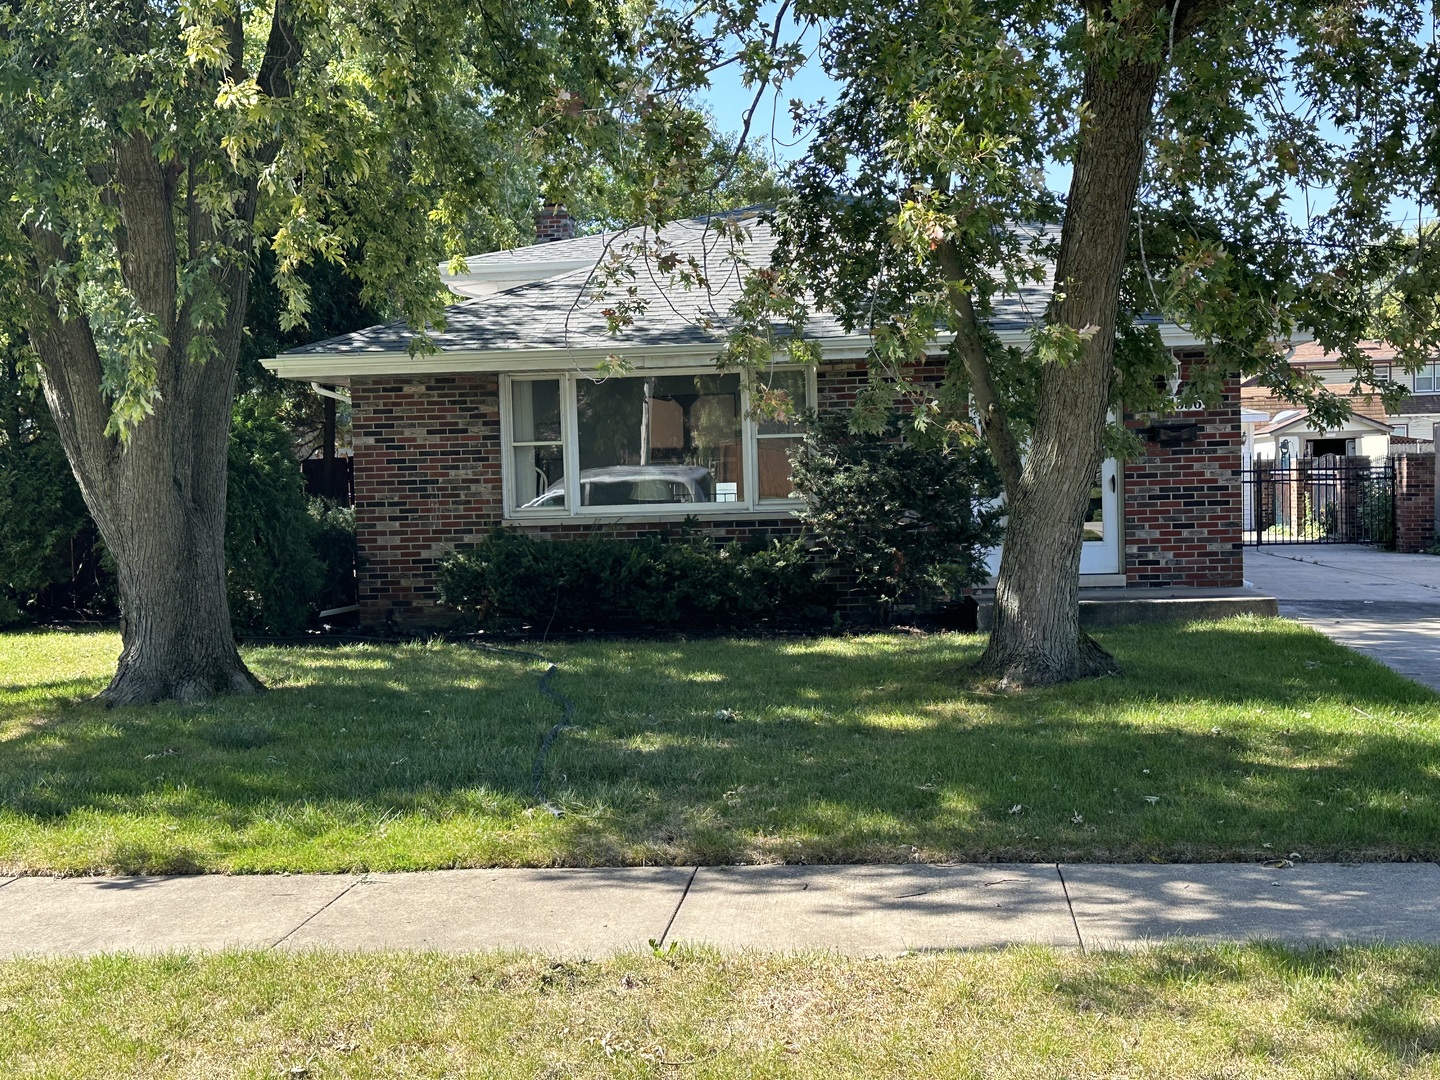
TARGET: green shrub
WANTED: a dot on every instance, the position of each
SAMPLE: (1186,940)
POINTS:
(903,520)
(334,544)
(656,582)
(50,553)
(287,556)
(274,574)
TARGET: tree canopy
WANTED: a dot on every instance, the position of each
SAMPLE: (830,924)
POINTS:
(153,148)
(1230,166)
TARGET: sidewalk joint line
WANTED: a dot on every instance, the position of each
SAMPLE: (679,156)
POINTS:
(1070,906)
(671,921)
(305,921)
(8,881)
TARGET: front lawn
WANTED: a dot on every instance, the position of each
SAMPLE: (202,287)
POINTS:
(1164,1014)
(1239,740)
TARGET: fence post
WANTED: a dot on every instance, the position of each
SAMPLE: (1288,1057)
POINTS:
(1393,541)
(1257,512)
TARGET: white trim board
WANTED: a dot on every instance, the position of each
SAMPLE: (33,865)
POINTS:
(339,367)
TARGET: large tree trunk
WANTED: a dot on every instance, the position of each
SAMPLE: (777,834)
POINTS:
(1036,636)
(159,503)
(161,512)
(158,499)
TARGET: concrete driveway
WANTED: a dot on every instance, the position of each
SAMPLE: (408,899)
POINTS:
(1381,603)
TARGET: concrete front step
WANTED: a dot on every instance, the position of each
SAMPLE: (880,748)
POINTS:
(1126,607)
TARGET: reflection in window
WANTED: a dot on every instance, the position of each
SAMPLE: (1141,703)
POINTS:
(536,444)
(660,439)
(775,438)
(1095,515)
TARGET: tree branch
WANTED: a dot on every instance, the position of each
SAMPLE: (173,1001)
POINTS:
(147,242)
(1191,16)
(70,368)
(990,410)
(283,52)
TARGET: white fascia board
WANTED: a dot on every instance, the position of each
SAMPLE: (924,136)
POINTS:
(333,367)
(337,367)
(1355,426)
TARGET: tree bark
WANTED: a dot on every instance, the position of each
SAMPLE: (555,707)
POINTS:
(159,504)
(1036,636)
(158,499)
(165,515)
(158,496)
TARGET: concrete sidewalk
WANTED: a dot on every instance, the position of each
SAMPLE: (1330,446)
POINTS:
(1381,603)
(878,910)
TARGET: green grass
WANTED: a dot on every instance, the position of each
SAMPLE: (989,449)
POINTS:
(1253,1011)
(1235,740)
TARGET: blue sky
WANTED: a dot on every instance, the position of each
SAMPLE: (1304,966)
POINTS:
(727,100)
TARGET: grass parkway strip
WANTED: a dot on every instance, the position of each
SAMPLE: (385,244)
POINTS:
(1239,740)
(1163,1014)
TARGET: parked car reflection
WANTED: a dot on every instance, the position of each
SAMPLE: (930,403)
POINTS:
(633,485)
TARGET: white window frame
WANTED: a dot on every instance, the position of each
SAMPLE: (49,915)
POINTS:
(752,505)
(1431,373)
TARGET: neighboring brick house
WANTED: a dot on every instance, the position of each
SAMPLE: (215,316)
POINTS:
(1372,432)
(509,422)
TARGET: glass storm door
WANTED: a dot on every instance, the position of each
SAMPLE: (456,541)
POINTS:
(1101,553)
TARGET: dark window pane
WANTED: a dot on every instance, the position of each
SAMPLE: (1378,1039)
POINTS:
(659,439)
(535,416)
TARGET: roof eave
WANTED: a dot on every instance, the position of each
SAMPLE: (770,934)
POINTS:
(489,280)
(337,367)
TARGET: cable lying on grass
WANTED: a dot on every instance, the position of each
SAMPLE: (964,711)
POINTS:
(537,767)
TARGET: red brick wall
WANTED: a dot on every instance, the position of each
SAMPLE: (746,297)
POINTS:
(1181,520)
(1415,502)
(428,480)
(427,477)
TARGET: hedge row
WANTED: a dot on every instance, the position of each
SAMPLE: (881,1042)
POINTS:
(510,581)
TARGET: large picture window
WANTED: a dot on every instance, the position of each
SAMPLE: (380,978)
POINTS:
(656,443)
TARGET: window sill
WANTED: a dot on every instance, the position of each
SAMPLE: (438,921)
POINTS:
(671,512)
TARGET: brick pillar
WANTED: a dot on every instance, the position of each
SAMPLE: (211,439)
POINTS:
(1414,502)
(427,479)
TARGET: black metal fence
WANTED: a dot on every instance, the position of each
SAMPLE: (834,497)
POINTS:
(1329,500)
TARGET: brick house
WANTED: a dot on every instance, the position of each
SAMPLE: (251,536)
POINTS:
(509,423)
(1373,431)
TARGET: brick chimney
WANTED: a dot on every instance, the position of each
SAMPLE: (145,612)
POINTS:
(553,222)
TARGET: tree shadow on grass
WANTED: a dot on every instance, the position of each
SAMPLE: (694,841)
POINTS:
(1382,994)
(815,750)
(31,702)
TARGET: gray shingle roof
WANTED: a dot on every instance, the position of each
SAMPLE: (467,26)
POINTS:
(565,312)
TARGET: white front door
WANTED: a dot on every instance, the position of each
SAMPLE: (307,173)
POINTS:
(1101,553)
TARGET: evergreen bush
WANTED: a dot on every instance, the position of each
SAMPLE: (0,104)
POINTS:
(274,575)
(904,520)
(511,580)
(51,559)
